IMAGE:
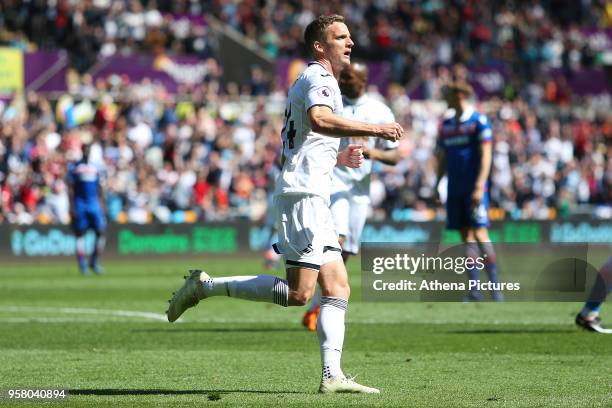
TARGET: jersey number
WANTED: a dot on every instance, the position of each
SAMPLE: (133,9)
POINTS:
(291,131)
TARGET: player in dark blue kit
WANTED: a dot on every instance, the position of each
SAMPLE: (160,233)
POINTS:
(87,209)
(465,153)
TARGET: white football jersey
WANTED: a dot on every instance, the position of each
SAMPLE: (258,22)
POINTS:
(357,181)
(310,157)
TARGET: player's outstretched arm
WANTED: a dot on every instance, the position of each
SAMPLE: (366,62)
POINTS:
(389,157)
(352,156)
(323,120)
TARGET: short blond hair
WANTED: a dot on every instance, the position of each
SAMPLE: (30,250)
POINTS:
(315,31)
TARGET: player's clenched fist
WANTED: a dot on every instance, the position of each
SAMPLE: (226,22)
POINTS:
(391,131)
(352,156)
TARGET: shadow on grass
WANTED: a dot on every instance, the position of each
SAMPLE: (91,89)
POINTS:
(117,391)
(509,331)
(221,330)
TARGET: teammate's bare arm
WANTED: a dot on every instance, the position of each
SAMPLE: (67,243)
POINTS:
(390,156)
(441,169)
(486,156)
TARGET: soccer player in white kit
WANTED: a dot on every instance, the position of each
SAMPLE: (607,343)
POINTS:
(350,198)
(307,237)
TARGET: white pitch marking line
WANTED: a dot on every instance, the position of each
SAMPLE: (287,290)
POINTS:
(77,310)
(162,317)
(27,320)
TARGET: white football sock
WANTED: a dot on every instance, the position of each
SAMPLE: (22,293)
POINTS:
(330,329)
(260,288)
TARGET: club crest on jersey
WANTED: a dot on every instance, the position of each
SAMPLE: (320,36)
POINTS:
(324,92)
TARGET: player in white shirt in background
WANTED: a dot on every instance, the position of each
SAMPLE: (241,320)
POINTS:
(350,199)
(308,239)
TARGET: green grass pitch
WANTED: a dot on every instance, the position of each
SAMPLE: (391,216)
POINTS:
(105,339)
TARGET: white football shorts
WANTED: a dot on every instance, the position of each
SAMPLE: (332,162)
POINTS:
(350,218)
(306,233)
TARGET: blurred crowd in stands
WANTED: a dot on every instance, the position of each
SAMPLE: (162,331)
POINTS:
(525,35)
(89,29)
(209,152)
(416,35)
